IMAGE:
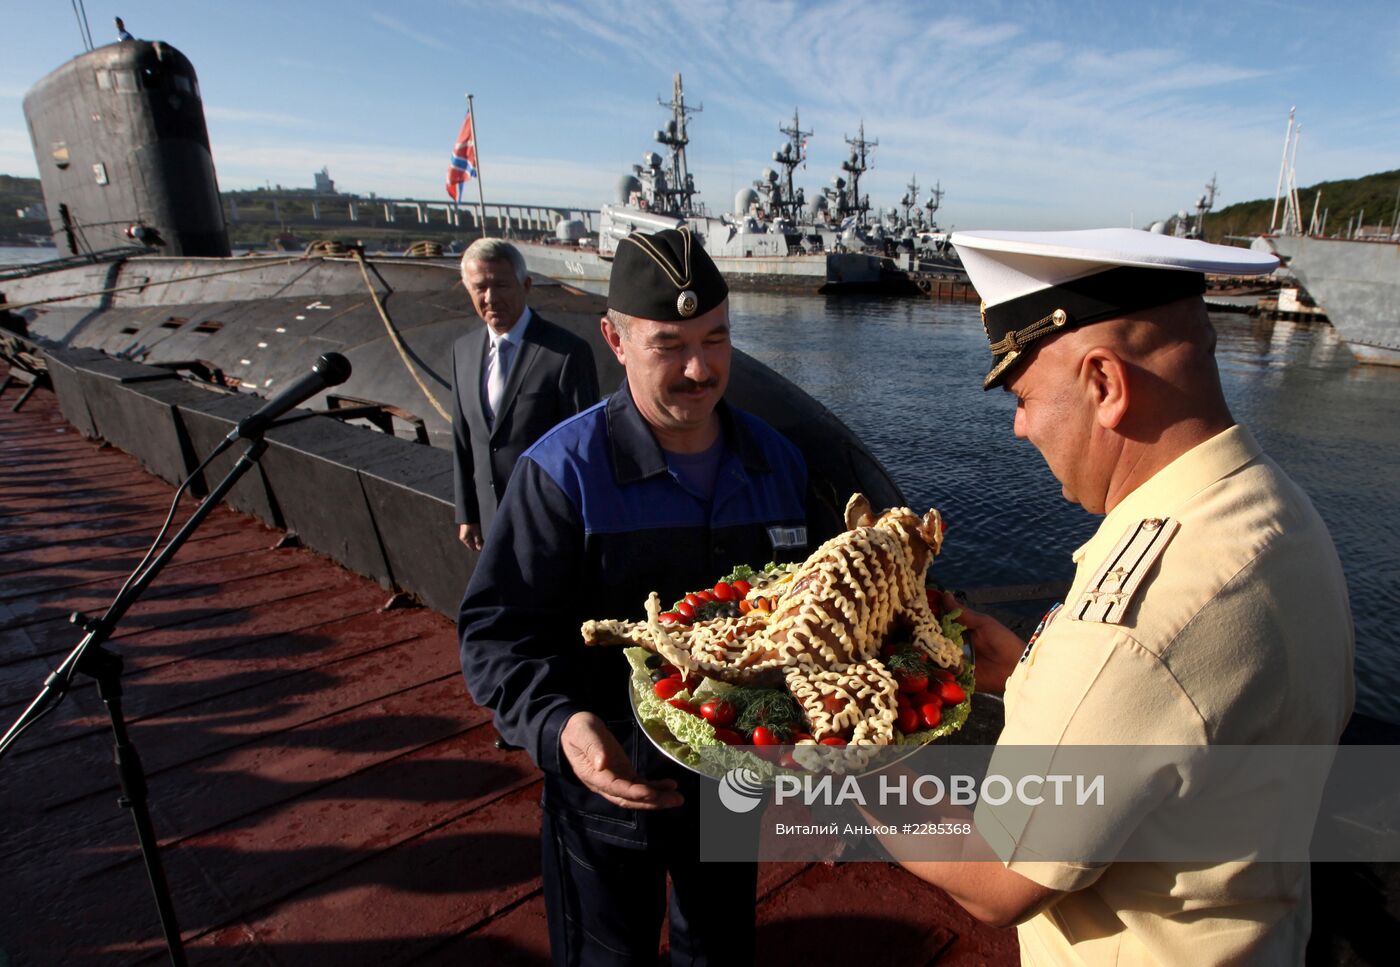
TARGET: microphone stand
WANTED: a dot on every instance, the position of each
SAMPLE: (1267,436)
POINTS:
(91,659)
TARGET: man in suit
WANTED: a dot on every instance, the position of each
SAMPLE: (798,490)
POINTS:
(512,379)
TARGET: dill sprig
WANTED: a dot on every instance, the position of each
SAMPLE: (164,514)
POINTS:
(770,707)
(908,660)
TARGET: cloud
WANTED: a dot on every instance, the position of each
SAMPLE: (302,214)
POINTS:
(403,29)
(16,154)
(242,115)
(1000,112)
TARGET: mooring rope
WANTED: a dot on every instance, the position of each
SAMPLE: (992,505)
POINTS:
(398,343)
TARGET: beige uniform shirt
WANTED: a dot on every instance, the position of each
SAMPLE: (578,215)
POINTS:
(1236,631)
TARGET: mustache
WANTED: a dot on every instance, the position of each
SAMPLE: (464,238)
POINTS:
(691,386)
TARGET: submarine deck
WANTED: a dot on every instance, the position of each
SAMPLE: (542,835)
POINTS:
(322,786)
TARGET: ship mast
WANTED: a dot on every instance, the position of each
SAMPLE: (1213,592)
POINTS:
(791,155)
(680,186)
(856,165)
(910,200)
(935,199)
(1203,206)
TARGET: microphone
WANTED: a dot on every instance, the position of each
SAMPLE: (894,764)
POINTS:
(331,369)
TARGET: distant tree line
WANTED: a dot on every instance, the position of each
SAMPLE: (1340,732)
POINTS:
(1372,197)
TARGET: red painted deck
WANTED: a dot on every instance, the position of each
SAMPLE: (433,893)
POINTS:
(323,788)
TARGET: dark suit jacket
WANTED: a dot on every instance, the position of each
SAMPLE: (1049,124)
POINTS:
(552,377)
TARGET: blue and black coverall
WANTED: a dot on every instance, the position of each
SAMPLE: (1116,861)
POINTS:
(593,520)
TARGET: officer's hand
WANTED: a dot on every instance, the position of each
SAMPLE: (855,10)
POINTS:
(997,648)
(470,535)
(601,764)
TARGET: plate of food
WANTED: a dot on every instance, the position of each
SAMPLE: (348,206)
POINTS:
(823,664)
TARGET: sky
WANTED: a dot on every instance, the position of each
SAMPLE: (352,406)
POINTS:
(1034,115)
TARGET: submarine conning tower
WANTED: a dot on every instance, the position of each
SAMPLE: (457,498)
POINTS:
(123,152)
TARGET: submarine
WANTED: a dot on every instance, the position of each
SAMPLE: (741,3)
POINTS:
(157,340)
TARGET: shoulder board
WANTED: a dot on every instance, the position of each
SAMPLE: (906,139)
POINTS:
(1111,589)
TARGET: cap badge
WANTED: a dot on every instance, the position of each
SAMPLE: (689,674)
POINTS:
(687,303)
(1059,317)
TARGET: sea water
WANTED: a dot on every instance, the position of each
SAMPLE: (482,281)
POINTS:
(906,376)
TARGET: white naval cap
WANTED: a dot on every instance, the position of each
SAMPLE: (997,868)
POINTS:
(1034,284)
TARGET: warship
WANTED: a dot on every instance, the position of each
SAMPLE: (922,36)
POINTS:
(1357,282)
(770,238)
(155,338)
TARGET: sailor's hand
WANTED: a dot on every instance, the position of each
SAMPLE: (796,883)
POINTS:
(601,764)
(470,535)
(996,647)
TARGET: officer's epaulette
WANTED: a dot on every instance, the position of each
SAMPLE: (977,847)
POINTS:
(1111,589)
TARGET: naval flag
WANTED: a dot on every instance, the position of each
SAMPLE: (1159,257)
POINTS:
(463,166)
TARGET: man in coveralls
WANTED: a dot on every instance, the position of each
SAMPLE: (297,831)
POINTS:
(661,487)
(1209,609)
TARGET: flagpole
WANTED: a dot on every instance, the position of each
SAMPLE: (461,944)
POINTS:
(480,194)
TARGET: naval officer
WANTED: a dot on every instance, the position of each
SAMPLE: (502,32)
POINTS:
(662,487)
(1208,609)
(512,379)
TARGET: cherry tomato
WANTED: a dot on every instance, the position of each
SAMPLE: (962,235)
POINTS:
(686,609)
(729,737)
(684,706)
(942,674)
(705,595)
(918,700)
(692,681)
(724,592)
(668,687)
(694,600)
(903,701)
(718,712)
(887,651)
(671,617)
(907,720)
(762,736)
(833,740)
(951,693)
(911,683)
(742,586)
(800,736)
(667,669)
(930,713)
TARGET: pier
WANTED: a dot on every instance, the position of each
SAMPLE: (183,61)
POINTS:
(323,788)
(330,210)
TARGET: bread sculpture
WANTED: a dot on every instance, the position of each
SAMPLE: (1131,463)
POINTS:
(828,622)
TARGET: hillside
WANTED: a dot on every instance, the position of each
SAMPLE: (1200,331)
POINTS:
(16,193)
(1372,196)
